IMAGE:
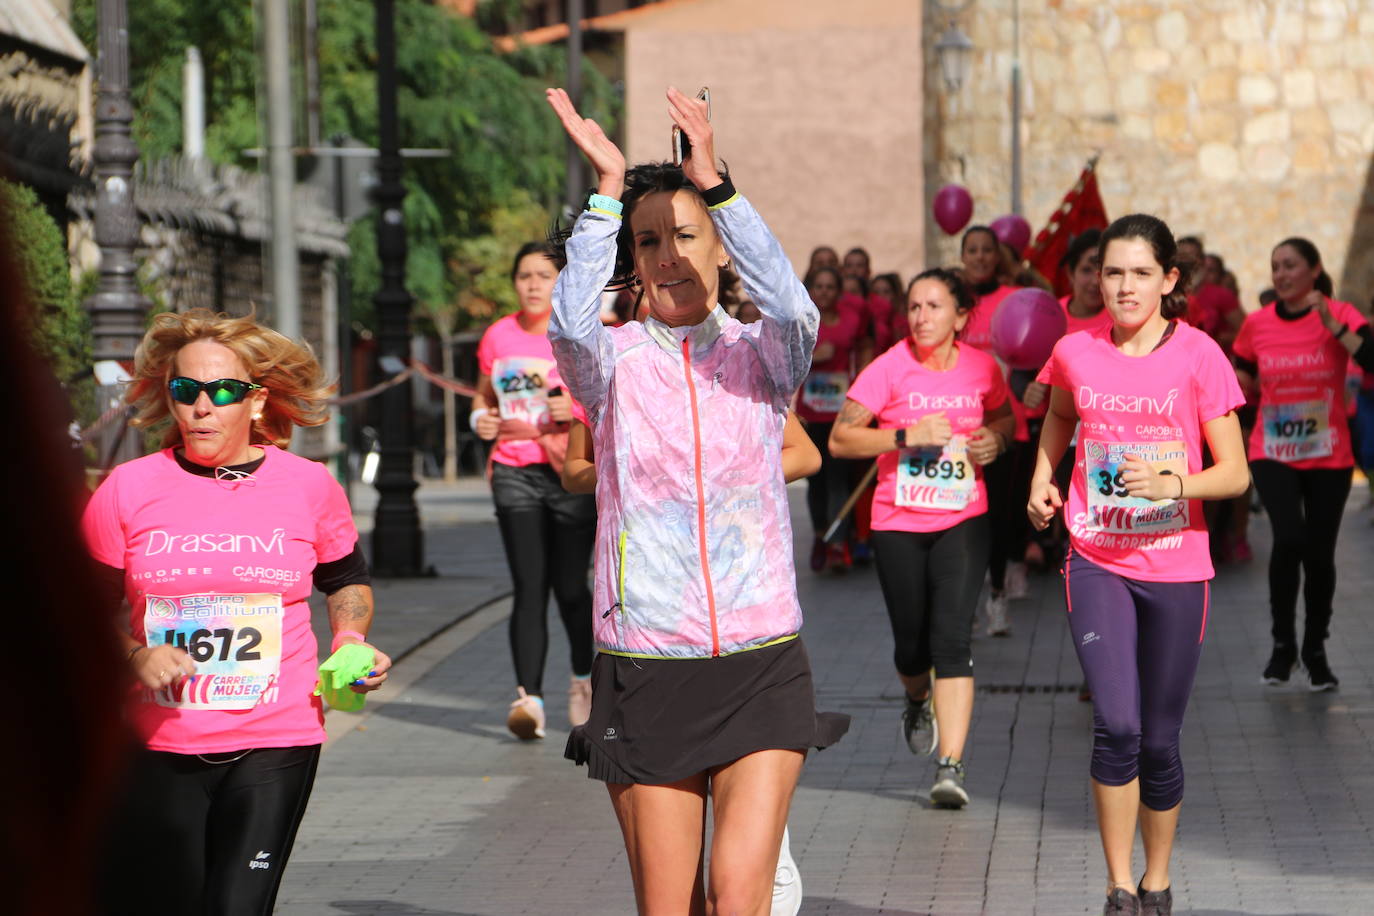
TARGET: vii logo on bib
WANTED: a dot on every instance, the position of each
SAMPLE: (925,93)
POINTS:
(235,641)
(1111,508)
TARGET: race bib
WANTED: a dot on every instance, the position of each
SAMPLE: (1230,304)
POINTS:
(1293,432)
(522,388)
(235,641)
(824,391)
(934,478)
(1111,508)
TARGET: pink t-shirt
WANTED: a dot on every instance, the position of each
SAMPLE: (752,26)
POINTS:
(1153,407)
(223,569)
(1302,371)
(522,371)
(929,489)
(822,394)
(1091,323)
(880,320)
(978,333)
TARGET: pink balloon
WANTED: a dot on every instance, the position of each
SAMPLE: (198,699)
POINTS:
(953,208)
(1014,231)
(1026,326)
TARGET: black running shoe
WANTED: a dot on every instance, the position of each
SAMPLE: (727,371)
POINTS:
(1281,662)
(1156,903)
(1319,672)
(1121,902)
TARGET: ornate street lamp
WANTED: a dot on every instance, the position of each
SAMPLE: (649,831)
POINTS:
(397,542)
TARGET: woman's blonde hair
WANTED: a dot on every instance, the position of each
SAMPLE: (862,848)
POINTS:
(296,388)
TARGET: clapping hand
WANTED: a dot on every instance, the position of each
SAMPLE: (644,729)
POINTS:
(604,156)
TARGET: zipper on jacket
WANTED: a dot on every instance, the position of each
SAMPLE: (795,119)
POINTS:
(619,576)
(701,496)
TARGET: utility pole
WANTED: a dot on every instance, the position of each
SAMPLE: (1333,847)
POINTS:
(281,168)
(576,187)
(397,542)
(117,307)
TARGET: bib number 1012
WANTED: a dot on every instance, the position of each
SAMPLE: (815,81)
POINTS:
(201,644)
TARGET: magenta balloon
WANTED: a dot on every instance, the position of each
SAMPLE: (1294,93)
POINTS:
(1014,231)
(1026,326)
(953,208)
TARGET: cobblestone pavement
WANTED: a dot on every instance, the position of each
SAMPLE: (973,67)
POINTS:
(425,806)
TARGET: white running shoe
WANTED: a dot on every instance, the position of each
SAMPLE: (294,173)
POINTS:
(526,717)
(579,700)
(1018,586)
(996,608)
(787,884)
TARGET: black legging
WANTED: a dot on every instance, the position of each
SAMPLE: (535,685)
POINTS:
(203,837)
(548,534)
(930,582)
(1305,509)
(828,488)
(1008,484)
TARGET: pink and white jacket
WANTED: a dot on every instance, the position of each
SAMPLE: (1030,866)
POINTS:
(694,537)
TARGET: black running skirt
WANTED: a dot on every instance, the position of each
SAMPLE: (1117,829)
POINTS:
(657,721)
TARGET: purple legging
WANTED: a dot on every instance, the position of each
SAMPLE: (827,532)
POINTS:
(1139,644)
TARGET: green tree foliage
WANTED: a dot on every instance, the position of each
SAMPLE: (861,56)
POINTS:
(455,93)
(59,325)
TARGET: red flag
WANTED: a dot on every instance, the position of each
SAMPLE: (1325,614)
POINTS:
(1082,209)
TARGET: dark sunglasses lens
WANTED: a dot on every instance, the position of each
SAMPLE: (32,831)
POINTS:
(184,390)
(226,391)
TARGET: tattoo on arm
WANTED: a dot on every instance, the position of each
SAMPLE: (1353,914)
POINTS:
(350,608)
(853,414)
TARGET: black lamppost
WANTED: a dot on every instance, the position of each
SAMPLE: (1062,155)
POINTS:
(117,307)
(397,542)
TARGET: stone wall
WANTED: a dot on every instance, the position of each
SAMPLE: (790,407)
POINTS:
(1242,121)
(817,107)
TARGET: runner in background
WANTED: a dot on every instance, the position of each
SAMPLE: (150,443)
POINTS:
(548,533)
(886,294)
(1364,422)
(838,343)
(823,256)
(942,415)
(215,543)
(1009,476)
(1083,311)
(1215,309)
(1296,352)
(1147,391)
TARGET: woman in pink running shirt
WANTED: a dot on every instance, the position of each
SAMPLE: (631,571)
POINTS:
(1296,351)
(1148,390)
(1006,478)
(548,532)
(942,415)
(215,543)
(838,340)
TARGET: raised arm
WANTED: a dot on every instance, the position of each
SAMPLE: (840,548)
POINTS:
(581,344)
(790,319)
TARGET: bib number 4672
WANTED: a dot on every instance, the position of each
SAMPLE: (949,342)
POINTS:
(201,644)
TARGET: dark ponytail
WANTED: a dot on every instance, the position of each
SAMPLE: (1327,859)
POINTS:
(1153,230)
(1309,253)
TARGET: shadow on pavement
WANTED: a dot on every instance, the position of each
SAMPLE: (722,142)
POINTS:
(389,908)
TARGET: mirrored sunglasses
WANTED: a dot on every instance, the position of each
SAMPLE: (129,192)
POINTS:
(222,391)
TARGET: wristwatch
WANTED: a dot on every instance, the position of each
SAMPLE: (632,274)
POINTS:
(901,437)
